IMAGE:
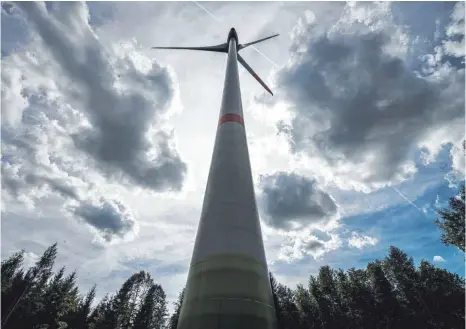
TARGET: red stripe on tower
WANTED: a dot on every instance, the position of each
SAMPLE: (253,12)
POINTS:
(231,117)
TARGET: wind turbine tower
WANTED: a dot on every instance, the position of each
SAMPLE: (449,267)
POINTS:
(228,283)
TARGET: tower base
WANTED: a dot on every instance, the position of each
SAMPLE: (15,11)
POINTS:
(228,292)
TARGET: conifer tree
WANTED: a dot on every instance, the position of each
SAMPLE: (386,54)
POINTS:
(388,294)
(452,221)
(26,301)
(10,268)
(81,317)
(386,311)
(173,322)
(153,311)
(289,316)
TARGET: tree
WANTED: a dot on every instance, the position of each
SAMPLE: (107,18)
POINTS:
(81,317)
(288,315)
(13,284)
(51,298)
(153,311)
(388,294)
(97,316)
(443,294)
(25,300)
(386,311)
(173,322)
(361,298)
(120,311)
(10,268)
(303,310)
(452,222)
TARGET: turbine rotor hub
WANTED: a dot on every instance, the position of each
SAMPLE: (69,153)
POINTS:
(232,34)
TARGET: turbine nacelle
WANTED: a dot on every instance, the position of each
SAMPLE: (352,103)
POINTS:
(232,34)
(223,48)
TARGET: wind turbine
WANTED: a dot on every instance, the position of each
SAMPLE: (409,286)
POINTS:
(228,282)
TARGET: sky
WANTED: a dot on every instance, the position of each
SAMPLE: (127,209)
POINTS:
(106,143)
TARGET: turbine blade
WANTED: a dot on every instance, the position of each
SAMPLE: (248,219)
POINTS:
(250,70)
(223,48)
(254,42)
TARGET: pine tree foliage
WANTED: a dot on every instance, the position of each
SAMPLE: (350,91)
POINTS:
(388,293)
(391,293)
(452,221)
(173,322)
(37,298)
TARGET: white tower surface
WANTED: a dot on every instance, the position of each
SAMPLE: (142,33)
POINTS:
(228,283)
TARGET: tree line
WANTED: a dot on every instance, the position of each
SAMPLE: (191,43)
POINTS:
(391,293)
(40,299)
(388,293)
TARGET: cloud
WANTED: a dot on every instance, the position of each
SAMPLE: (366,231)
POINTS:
(111,219)
(455,45)
(30,259)
(13,35)
(359,112)
(301,213)
(82,121)
(360,241)
(15,185)
(300,244)
(457,154)
(438,259)
(292,201)
(122,96)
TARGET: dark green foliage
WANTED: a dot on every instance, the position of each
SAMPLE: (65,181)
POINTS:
(385,308)
(285,304)
(39,299)
(452,222)
(173,322)
(153,311)
(80,318)
(23,301)
(443,295)
(10,268)
(139,304)
(391,293)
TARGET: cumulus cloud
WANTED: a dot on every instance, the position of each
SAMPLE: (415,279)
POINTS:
(455,45)
(438,259)
(81,120)
(111,219)
(301,213)
(300,244)
(292,201)
(360,241)
(457,154)
(358,110)
(121,98)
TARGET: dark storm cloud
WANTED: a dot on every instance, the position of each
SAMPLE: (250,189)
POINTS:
(289,198)
(111,219)
(356,104)
(363,92)
(120,117)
